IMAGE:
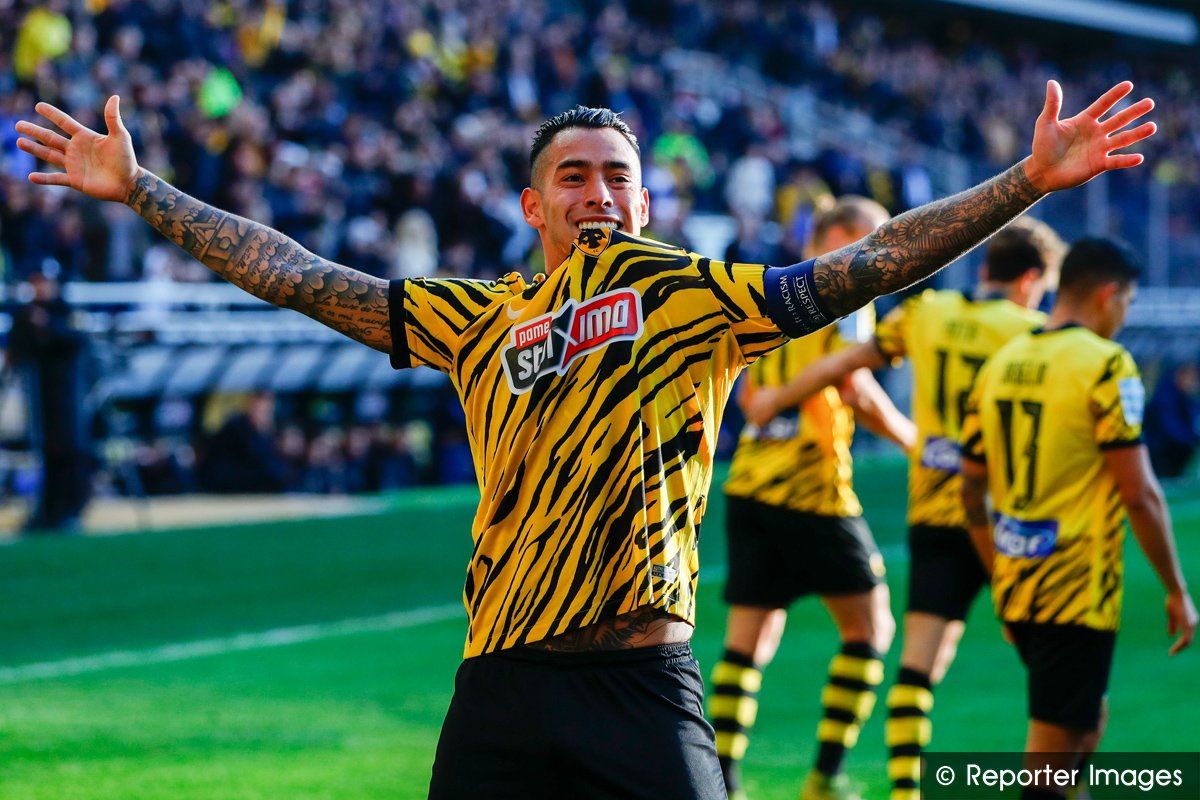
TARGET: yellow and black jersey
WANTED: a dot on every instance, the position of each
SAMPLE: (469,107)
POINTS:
(593,400)
(801,459)
(1044,408)
(947,336)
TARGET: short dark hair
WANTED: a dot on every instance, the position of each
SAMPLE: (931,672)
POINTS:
(578,117)
(1024,244)
(1095,261)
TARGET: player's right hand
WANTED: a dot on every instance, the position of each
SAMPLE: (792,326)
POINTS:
(102,167)
(1181,620)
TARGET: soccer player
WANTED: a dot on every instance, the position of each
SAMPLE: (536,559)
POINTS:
(795,528)
(947,335)
(592,400)
(1054,434)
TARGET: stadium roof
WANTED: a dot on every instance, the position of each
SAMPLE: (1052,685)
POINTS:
(1133,19)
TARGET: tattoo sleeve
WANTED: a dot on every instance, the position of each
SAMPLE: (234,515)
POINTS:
(266,263)
(919,242)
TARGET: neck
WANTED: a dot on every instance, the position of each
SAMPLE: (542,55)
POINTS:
(1065,314)
(998,291)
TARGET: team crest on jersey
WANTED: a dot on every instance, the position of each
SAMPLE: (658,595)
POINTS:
(550,343)
(593,240)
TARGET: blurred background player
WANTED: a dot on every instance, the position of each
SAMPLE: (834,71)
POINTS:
(795,528)
(947,335)
(1054,434)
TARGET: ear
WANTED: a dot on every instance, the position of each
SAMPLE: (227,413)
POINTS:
(644,217)
(1029,278)
(1106,293)
(531,207)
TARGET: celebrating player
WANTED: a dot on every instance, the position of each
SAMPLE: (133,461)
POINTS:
(947,335)
(1053,433)
(795,528)
(592,402)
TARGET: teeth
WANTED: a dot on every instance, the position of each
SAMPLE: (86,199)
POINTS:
(608,226)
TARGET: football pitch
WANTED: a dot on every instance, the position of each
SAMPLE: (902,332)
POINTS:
(315,659)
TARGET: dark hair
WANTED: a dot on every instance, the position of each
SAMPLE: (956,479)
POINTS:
(1095,261)
(578,117)
(1026,243)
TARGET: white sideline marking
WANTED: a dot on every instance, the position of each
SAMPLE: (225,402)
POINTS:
(275,637)
(181,651)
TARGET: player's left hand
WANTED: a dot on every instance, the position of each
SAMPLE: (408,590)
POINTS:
(762,406)
(1181,620)
(1070,152)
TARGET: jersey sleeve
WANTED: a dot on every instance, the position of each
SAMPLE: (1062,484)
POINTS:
(1118,401)
(738,289)
(428,317)
(892,330)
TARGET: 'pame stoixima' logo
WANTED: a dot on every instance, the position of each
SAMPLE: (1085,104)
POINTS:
(550,343)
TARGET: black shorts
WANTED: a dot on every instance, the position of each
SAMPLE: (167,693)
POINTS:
(945,573)
(1068,668)
(623,724)
(777,555)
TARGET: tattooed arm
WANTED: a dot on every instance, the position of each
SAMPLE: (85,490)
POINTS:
(253,257)
(266,263)
(918,243)
(914,245)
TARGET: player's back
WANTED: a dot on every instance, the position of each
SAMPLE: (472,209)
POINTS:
(948,336)
(1046,406)
(801,458)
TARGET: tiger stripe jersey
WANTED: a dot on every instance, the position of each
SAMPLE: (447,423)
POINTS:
(1043,411)
(947,336)
(592,401)
(801,459)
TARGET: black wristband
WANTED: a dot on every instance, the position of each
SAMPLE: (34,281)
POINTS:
(792,299)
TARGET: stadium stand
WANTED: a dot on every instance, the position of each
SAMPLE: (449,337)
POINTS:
(394,138)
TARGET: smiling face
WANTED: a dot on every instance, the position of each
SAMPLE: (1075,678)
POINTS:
(585,178)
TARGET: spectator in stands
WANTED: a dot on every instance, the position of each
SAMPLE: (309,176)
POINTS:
(1172,427)
(45,345)
(241,457)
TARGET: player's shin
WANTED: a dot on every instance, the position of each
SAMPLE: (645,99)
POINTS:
(908,731)
(848,699)
(733,707)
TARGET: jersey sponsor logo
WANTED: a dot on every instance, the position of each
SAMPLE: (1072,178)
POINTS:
(1022,538)
(784,426)
(550,343)
(942,454)
(1133,400)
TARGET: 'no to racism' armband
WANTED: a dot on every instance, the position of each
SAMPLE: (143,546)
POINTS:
(792,300)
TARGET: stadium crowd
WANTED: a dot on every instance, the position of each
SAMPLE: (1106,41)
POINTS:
(393,137)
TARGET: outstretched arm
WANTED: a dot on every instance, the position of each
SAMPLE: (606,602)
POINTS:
(832,370)
(916,244)
(253,257)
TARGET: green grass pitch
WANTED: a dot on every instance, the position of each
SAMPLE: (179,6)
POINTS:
(312,710)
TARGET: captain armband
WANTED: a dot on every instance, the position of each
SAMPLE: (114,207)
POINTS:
(792,299)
